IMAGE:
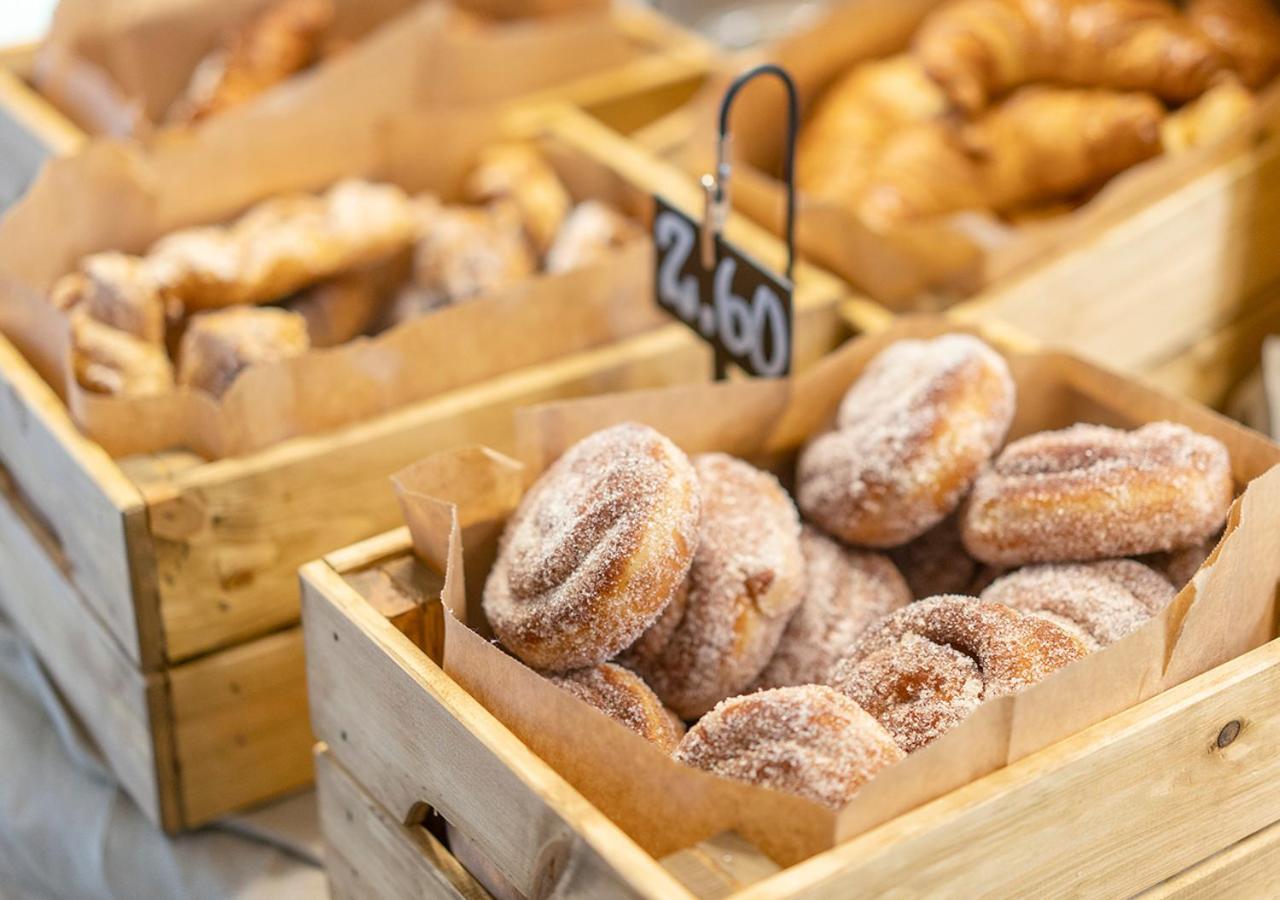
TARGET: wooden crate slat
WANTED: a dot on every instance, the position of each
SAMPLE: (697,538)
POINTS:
(1250,868)
(370,855)
(1111,811)
(31,129)
(81,496)
(240,726)
(122,708)
(390,714)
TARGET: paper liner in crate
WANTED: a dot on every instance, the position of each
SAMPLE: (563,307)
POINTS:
(117,196)
(928,264)
(456,503)
(117,66)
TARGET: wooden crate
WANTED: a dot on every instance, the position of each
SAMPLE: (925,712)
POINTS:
(31,129)
(1153,799)
(185,565)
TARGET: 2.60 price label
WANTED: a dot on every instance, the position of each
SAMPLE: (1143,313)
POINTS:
(738,306)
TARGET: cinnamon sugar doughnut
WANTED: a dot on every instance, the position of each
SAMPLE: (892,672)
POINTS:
(1092,492)
(846,591)
(1106,599)
(923,669)
(910,437)
(596,549)
(807,740)
(623,696)
(746,580)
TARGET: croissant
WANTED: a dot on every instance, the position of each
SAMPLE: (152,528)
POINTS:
(853,120)
(979,49)
(279,41)
(1208,119)
(1041,144)
(1247,32)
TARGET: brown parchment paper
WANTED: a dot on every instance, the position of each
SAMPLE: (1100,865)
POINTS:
(119,196)
(116,66)
(932,264)
(455,504)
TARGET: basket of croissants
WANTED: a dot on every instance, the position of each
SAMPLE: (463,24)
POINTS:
(946,145)
(845,568)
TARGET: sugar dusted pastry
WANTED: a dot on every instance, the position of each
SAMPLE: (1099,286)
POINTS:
(745,582)
(117,290)
(924,669)
(283,38)
(107,360)
(1092,492)
(588,235)
(807,740)
(520,174)
(463,251)
(218,346)
(284,244)
(911,435)
(623,696)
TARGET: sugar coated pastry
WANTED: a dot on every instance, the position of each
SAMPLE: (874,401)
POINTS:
(936,562)
(110,361)
(1092,492)
(521,174)
(746,580)
(623,696)
(1104,600)
(596,550)
(1180,566)
(463,251)
(910,437)
(807,740)
(846,590)
(117,290)
(218,346)
(923,669)
(590,232)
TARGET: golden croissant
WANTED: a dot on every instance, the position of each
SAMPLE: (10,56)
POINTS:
(1041,144)
(977,50)
(1247,32)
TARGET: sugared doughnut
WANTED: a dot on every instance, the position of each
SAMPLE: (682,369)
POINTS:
(1105,599)
(910,437)
(746,580)
(623,696)
(846,590)
(923,669)
(936,562)
(596,549)
(1092,492)
(807,740)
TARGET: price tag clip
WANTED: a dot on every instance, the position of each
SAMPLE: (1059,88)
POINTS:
(740,307)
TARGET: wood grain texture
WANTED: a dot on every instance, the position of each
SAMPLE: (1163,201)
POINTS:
(240,726)
(1155,282)
(78,493)
(1250,868)
(1109,812)
(122,709)
(390,714)
(370,855)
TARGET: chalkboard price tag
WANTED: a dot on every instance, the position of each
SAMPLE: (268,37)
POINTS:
(738,306)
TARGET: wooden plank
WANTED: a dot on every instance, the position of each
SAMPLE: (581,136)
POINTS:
(1111,811)
(411,736)
(31,129)
(719,866)
(80,495)
(1158,280)
(240,726)
(1207,370)
(1250,868)
(370,855)
(122,709)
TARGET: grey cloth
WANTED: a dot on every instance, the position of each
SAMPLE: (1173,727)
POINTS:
(67,830)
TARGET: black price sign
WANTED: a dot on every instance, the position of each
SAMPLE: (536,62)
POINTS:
(738,306)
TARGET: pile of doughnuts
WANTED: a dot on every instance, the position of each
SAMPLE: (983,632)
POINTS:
(932,570)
